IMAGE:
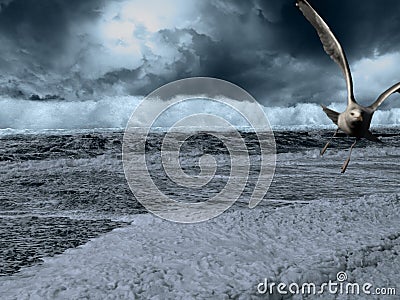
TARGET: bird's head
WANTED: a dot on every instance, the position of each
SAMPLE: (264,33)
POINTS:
(355,116)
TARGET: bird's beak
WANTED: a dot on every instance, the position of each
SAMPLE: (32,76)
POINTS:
(360,119)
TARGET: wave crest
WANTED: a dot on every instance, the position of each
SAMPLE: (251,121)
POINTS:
(114,112)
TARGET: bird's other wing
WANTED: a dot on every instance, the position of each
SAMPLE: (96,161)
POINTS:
(333,115)
(393,89)
(331,45)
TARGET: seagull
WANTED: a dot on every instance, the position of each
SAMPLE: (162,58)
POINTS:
(356,119)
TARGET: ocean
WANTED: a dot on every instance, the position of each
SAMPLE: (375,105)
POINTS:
(60,189)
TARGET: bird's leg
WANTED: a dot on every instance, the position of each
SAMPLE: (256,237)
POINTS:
(327,144)
(346,163)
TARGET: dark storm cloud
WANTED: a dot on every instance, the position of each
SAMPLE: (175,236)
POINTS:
(280,32)
(266,47)
(41,27)
(363,27)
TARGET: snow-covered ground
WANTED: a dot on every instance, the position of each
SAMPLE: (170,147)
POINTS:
(227,257)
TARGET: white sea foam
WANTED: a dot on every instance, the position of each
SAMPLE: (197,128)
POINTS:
(226,257)
(114,112)
(36,115)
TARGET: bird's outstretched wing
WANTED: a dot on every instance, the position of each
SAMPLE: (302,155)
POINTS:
(331,45)
(333,115)
(393,89)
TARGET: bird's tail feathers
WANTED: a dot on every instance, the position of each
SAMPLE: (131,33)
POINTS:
(333,115)
(371,137)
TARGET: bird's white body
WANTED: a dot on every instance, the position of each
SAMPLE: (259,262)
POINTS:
(355,121)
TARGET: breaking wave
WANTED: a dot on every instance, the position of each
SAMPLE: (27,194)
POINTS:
(114,112)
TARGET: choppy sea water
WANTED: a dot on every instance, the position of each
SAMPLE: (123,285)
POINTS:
(57,191)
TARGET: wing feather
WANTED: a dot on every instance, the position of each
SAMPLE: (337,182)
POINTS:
(333,115)
(393,89)
(331,45)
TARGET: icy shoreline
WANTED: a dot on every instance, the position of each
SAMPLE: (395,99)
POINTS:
(228,256)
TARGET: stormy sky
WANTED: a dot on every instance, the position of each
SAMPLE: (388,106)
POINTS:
(81,49)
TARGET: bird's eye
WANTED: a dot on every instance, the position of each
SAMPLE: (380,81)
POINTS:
(352,114)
